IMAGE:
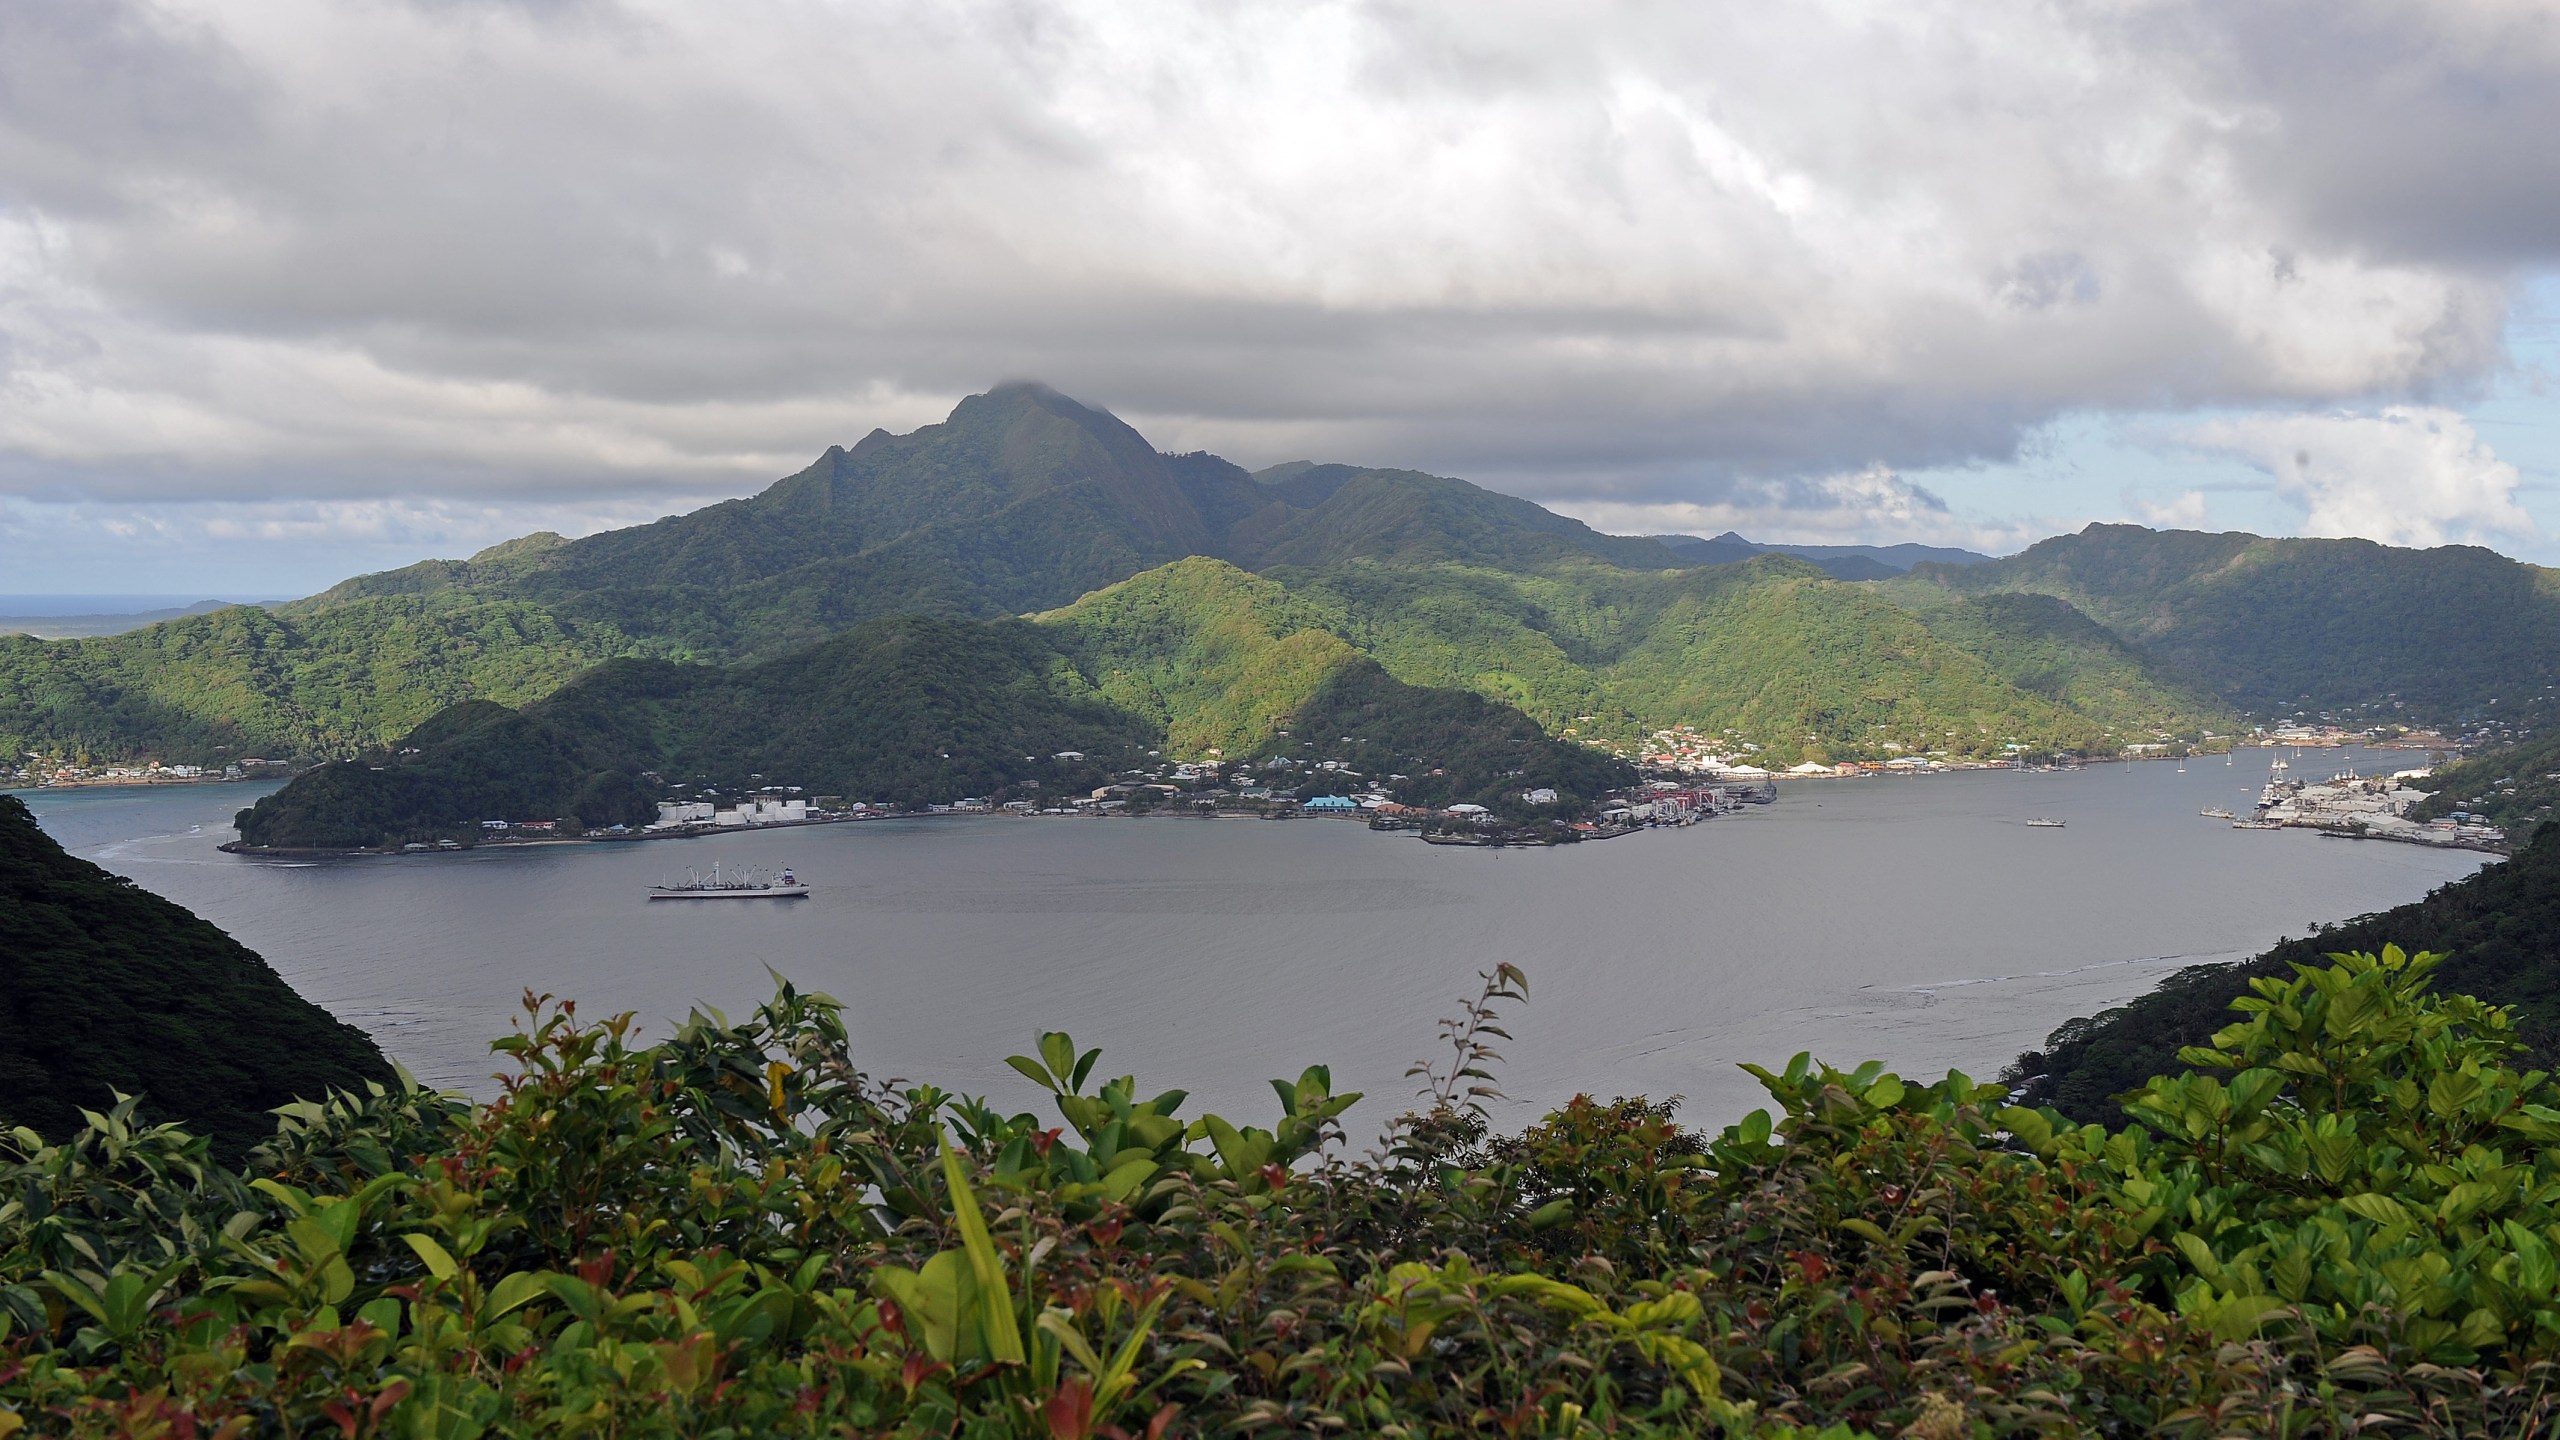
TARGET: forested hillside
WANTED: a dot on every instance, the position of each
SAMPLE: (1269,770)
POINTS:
(106,987)
(903,710)
(2500,929)
(1216,658)
(2042,645)
(2515,787)
(244,681)
(1768,648)
(2278,625)
(1235,664)
(1194,658)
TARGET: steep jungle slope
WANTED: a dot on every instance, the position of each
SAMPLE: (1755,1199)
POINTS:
(2277,625)
(1234,664)
(901,710)
(1770,649)
(1217,658)
(245,681)
(2500,926)
(105,987)
(2040,644)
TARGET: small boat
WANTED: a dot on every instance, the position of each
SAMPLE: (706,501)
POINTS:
(748,884)
(2255,825)
(2041,823)
(2217,814)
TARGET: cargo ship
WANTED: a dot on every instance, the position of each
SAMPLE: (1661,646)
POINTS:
(748,884)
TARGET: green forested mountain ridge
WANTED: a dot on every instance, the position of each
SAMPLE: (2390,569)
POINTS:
(1193,659)
(1022,500)
(906,709)
(2276,625)
(245,681)
(1217,659)
(925,711)
(1769,648)
(106,987)
(2500,929)
(1025,500)
(2042,645)
(1234,664)
(1317,515)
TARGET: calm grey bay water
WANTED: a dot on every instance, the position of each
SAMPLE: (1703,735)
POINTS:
(1915,921)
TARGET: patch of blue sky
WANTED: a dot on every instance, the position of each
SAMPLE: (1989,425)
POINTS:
(2148,468)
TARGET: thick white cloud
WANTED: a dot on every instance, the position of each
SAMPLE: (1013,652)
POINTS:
(2404,475)
(1638,254)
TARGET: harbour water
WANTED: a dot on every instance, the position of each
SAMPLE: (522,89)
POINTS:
(1920,922)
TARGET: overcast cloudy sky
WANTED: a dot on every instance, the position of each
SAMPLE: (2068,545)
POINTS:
(294,288)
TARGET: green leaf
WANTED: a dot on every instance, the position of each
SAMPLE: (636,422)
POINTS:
(513,1293)
(1550,1215)
(2032,1129)
(432,1255)
(1004,1336)
(2380,1209)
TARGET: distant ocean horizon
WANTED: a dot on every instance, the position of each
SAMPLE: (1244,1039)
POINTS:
(45,606)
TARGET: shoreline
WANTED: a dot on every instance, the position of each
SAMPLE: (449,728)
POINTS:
(704,832)
(150,782)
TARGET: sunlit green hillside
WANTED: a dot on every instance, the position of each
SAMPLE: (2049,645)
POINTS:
(1770,650)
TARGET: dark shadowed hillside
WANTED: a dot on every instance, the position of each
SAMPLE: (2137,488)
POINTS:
(105,987)
(2501,928)
(901,710)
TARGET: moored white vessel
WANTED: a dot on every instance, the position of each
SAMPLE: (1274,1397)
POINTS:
(747,884)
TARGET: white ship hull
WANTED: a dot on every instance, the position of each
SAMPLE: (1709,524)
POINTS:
(761,892)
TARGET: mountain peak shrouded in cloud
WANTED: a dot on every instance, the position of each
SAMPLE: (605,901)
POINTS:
(317,271)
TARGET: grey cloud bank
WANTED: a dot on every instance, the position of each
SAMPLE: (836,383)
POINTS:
(1719,259)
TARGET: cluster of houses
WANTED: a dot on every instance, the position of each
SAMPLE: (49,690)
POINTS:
(1682,750)
(43,771)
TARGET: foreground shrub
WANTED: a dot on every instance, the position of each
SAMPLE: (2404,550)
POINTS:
(2341,1222)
